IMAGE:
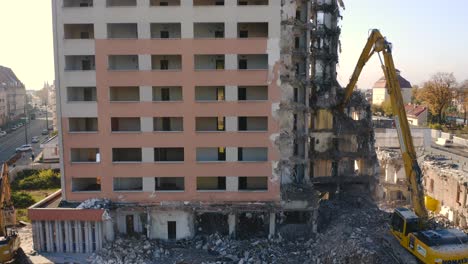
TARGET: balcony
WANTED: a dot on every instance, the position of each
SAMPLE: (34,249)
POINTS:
(211,183)
(80,63)
(83,124)
(111,3)
(122,31)
(86,184)
(78,31)
(209,93)
(125,124)
(81,94)
(252,62)
(209,62)
(208,30)
(252,2)
(252,93)
(169,154)
(252,154)
(166,62)
(169,184)
(210,124)
(164,2)
(123,62)
(252,30)
(253,184)
(77,3)
(124,94)
(211,154)
(208,2)
(128,184)
(165,30)
(167,94)
(168,124)
(84,155)
(252,123)
(126,155)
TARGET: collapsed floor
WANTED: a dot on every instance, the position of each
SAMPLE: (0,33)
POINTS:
(350,231)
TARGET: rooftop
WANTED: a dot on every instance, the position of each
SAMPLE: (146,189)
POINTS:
(382,82)
(8,78)
(413,110)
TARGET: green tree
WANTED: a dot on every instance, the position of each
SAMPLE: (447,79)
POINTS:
(387,107)
(437,93)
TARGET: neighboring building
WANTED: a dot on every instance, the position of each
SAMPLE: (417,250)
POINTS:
(3,107)
(192,117)
(379,90)
(15,93)
(416,114)
(50,150)
(52,104)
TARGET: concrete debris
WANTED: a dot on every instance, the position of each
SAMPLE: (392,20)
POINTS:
(352,234)
(95,203)
(446,167)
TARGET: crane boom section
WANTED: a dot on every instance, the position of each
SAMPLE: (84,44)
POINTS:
(376,43)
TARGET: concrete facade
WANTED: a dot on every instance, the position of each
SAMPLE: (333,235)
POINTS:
(14,95)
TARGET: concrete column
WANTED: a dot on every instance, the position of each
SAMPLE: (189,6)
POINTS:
(231,123)
(78,237)
(146,93)
(231,93)
(272,224)
(232,184)
(35,233)
(231,154)
(99,235)
(232,222)
(109,230)
(146,124)
(144,62)
(231,61)
(230,28)
(40,229)
(58,236)
(68,237)
(148,184)
(148,155)
(48,236)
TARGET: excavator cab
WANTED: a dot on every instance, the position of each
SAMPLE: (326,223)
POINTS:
(403,222)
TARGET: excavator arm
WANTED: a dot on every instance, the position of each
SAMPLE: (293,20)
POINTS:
(376,43)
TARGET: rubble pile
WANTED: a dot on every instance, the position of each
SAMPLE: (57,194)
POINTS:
(351,231)
(95,203)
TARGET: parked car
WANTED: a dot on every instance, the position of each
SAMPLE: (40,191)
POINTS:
(24,148)
(14,128)
(444,142)
(45,132)
(35,139)
(3,133)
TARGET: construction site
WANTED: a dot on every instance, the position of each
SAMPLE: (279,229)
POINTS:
(308,184)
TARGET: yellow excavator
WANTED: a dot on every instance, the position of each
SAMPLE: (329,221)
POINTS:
(9,239)
(428,246)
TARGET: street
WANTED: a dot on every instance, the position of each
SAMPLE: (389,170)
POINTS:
(12,140)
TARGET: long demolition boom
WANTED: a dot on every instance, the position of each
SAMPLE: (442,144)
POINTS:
(377,43)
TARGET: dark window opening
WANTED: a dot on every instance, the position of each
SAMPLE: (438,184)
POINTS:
(242,123)
(242,64)
(165,94)
(164,64)
(171,230)
(221,154)
(243,34)
(164,34)
(240,154)
(334,172)
(242,93)
(296,42)
(219,34)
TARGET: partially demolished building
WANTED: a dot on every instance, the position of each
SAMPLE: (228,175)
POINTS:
(203,116)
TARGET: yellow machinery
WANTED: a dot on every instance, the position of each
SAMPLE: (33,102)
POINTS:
(429,246)
(9,239)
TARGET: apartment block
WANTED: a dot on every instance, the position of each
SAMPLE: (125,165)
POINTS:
(12,96)
(194,117)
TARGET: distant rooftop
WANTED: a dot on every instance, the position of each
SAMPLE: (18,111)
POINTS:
(8,78)
(413,110)
(382,82)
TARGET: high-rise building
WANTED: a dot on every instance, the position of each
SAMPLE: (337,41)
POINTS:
(194,116)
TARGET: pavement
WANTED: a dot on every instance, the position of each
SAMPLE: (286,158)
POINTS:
(11,141)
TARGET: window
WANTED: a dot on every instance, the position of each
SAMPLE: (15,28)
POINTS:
(169,184)
(165,94)
(296,42)
(243,34)
(242,64)
(211,183)
(242,3)
(219,2)
(253,183)
(164,34)
(220,93)
(164,65)
(221,123)
(220,64)
(168,154)
(84,35)
(242,122)
(163,4)
(221,154)
(296,94)
(219,34)
(126,155)
(242,94)
(128,184)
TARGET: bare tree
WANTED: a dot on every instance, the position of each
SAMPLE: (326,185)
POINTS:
(437,93)
(462,97)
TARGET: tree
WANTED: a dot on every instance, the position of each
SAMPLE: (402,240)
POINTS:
(415,95)
(437,93)
(386,107)
(462,96)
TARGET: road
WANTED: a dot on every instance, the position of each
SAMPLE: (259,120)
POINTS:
(12,140)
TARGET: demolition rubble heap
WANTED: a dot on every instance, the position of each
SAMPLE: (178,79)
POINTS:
(350,231)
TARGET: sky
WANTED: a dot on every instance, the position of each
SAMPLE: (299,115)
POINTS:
(428,36)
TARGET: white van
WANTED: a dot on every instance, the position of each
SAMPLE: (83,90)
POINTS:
(444,142)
